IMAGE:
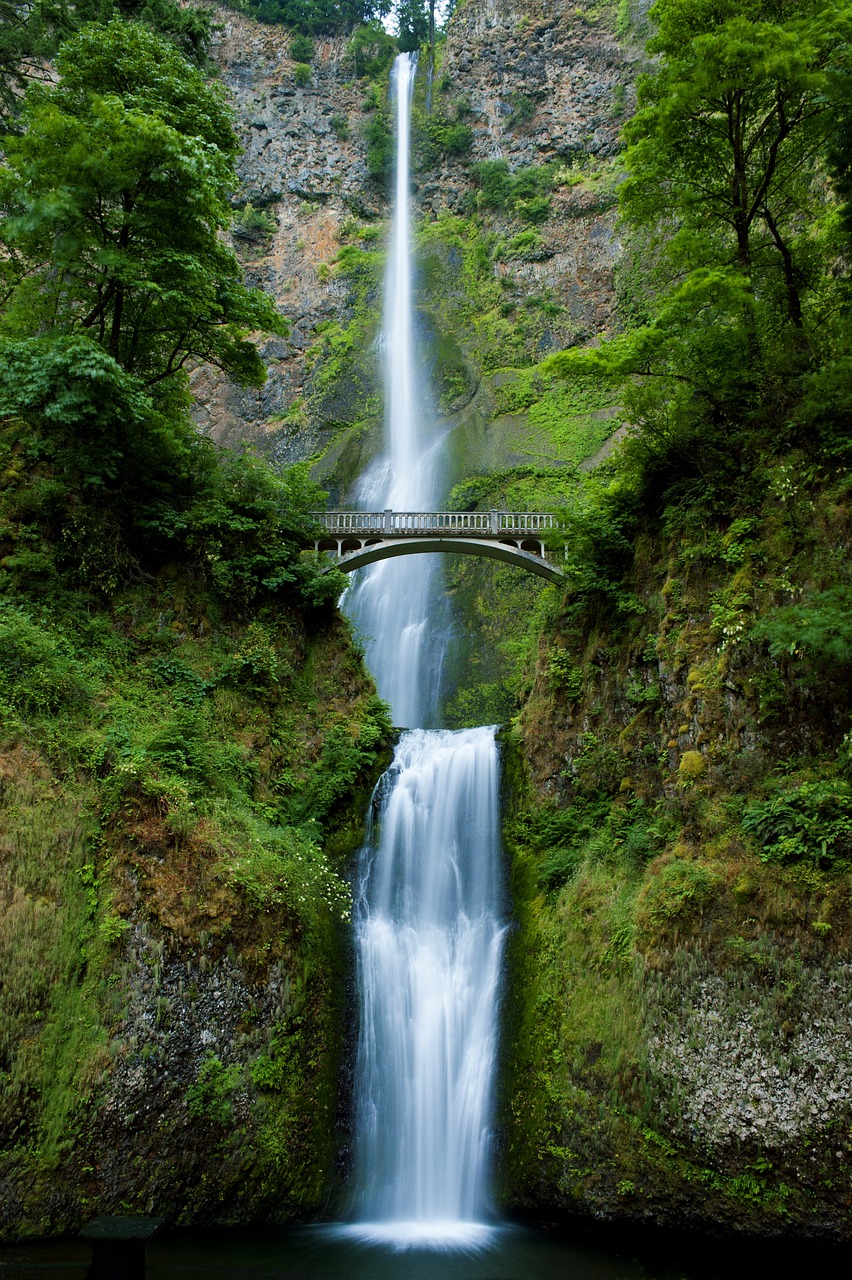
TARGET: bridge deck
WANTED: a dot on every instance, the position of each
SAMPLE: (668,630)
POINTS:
(445,524)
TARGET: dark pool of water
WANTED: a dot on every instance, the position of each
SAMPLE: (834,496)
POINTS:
(512,1253)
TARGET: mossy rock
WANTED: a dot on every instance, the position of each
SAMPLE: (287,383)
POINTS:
(692,767)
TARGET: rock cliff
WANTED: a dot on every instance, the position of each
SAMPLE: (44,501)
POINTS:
(676,1041)
(536,85)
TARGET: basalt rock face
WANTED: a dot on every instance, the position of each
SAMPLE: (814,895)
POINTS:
(545,83)
(304,166)
(536,83)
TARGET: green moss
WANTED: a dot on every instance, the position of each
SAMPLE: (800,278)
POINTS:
(217,763)
(692,767)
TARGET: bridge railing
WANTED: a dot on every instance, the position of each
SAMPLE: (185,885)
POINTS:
(407,523)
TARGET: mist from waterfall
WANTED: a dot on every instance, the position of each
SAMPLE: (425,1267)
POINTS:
(428,927)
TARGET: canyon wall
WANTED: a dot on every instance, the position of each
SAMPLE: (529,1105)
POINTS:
(676,1038)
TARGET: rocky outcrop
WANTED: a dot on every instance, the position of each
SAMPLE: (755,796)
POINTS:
(536,84)
(542,82)
(303,166)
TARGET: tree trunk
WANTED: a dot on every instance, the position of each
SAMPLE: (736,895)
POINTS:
(794,302)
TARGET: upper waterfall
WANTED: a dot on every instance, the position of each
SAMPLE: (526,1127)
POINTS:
(400,615)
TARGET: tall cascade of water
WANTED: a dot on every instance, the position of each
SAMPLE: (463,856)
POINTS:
(396,607)
(429,933)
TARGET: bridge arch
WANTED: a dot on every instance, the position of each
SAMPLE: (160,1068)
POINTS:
(373,552)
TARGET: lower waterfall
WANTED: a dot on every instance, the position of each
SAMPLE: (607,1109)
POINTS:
(429,941)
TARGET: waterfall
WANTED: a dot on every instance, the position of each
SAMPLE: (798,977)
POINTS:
(429,944)
(428,930)
(397,606)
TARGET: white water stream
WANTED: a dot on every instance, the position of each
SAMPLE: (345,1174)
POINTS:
(428,923)
(396,604)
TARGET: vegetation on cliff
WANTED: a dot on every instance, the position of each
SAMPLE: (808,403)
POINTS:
(682,835)
(677,1045)
(185,725)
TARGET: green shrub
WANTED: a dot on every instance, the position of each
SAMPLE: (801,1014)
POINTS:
(347,752)
(339,127)
(254,224)
(525,245)
(534,209)
(301,74)
(523,110)
(563,674)
(302,49)
(39,674)
(378,136)
(483,703)
(284,867)
(446,138)
(524,193)
(372,51)
(811,822)
(817,628)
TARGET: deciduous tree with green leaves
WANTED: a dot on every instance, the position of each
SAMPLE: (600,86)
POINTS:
(113,200)
(32,30)
(728,189)
(115,276)
(731,129)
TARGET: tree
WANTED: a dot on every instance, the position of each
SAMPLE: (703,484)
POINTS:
(20,39)
(32,30)
(313,17)
(731,128)
(113,200)
(116,275)
(740,337)
(412,24)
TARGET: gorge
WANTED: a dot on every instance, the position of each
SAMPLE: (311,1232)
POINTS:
(191,735)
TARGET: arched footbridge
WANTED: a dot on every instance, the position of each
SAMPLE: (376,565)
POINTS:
(359,538)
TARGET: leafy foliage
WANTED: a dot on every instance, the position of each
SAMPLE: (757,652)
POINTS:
(739,336)
(112,201)
(32,32)
(378,135)
(729,129)
(817,628)
(283,866)
(524,193)
(39,674)
(316,17)
(808,822)
(210,1097)
(372,51)
(301,49)
(412,23)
